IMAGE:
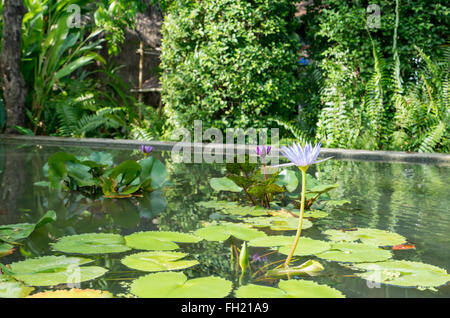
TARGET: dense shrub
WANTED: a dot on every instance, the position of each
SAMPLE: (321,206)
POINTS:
(229,63)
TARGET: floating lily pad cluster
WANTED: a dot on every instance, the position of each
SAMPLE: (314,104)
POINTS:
(261,187)
(97,173)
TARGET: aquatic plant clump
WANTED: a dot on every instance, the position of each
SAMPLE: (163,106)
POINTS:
(97,173)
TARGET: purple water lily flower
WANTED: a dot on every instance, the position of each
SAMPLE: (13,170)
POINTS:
(146,149)
(263,151)
(301,156)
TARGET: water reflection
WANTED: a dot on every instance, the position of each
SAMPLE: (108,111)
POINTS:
(12,176)
(411,200)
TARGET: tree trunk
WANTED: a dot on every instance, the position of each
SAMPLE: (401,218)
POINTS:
(13,83)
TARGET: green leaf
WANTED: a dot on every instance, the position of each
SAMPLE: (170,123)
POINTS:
(277,223)
(271,241)
(48,217)
(71,67)
(245,210)
(158,261)
(24,131)
(166,236)
(322,188)
(355,253)
(176,285)
(315,214)
(288,178)
(367,236)
(404,273)
(306,246)
(128,170)
(92,243)
(224,231)
(15,232)
(102,159)
(159,241)
(54,270)
(80,174)
(289,289)
(262,190)
(224,184)
(57,169)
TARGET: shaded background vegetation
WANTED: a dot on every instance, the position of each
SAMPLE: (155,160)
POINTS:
(318,70)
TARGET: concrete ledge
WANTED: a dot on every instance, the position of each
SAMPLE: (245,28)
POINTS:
(341,154)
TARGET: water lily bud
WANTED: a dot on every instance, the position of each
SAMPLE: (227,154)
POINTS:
(243,257)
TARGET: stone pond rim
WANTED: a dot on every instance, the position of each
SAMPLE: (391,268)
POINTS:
(341,154)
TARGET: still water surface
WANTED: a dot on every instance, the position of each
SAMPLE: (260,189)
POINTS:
(410,199)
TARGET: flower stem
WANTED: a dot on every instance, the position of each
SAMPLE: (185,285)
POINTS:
(300,222)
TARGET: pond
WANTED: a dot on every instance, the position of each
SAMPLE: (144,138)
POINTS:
(408,199)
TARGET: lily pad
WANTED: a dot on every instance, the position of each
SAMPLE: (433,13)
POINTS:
(315,214)
(10,288)
(355,253)
(54,270)
(92,243)
(289,289)
(271,241)
(14,232)
(404,273)
(217,204)
(159,241)
(73,293)
(224,184)
(322,188)
(367,236)
(245,210)
(223,231)
(278,223)
(306,246)
(176,285)
(158,261)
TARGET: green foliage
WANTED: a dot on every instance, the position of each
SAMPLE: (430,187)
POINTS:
(230,63)
(363,105)
(53,50)
(96,173)
(422,112)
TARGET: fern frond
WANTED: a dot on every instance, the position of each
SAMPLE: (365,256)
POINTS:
(433,138)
